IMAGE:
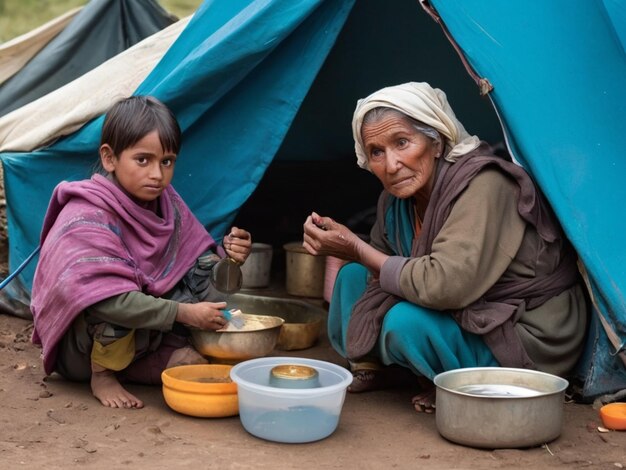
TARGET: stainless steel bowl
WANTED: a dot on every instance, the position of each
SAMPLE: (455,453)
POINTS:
(497,407)
(256,338)
(303,321)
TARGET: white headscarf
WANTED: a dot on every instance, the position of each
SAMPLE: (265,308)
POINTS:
(419,101)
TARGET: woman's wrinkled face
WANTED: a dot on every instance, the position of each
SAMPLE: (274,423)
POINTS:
(402,158)
(143,170)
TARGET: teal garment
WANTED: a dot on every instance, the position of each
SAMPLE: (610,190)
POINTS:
(400,224)
(425,341)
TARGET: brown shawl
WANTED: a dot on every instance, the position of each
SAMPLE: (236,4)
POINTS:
(494,315)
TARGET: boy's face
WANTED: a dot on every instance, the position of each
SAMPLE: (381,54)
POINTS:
(143,170)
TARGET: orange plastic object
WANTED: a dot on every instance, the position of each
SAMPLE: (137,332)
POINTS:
(613,416)
(202,390)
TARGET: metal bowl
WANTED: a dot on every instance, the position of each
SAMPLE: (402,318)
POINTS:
(497,407)
(256,338)
(303,321)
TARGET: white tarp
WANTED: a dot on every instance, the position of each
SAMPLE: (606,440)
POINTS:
(66,109)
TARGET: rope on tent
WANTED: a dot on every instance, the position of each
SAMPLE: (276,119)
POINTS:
(19,269)
(484,85)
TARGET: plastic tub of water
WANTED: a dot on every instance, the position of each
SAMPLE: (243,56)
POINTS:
(292,415)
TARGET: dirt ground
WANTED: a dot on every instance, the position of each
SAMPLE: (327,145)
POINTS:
(47,422)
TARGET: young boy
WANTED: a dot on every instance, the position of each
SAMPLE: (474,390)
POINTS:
(124,264)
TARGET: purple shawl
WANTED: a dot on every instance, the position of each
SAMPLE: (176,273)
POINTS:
(97,242)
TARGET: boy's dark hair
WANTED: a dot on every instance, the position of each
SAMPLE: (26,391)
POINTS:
(131,119)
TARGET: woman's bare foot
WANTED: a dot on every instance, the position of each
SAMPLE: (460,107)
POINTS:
(106,388)
(424,402)
(369,379)
(366,380)
(186,356)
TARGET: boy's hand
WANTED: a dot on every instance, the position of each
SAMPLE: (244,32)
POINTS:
(238,244)
(203,315)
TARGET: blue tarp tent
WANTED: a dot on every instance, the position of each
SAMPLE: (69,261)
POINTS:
(238,74)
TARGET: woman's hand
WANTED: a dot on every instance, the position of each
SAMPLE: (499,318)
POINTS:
(324,236)
(238,244)
(203,315)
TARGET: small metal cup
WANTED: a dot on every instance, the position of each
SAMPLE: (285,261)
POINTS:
(294,376)
(227,276)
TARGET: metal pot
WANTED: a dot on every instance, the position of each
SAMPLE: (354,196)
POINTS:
(497,407)
(257,268)
(305,272)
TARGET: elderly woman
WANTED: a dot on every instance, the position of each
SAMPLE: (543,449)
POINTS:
(466,266)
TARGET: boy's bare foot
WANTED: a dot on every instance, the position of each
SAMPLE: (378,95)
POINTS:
(106,388)
(424,402)
(186,356)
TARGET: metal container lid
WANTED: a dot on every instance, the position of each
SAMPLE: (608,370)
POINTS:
(294,372)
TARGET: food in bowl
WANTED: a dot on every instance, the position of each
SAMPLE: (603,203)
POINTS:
(292,415)
(256,337)
(201,390)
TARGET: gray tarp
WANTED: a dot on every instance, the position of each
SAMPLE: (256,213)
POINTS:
(16,53)
(101,30)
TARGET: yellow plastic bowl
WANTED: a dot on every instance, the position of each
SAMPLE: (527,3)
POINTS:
(202,390)
(614,416)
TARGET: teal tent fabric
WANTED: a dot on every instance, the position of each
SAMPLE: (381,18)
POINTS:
(558,70)
(238,73)
(101,30)
(235,78)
